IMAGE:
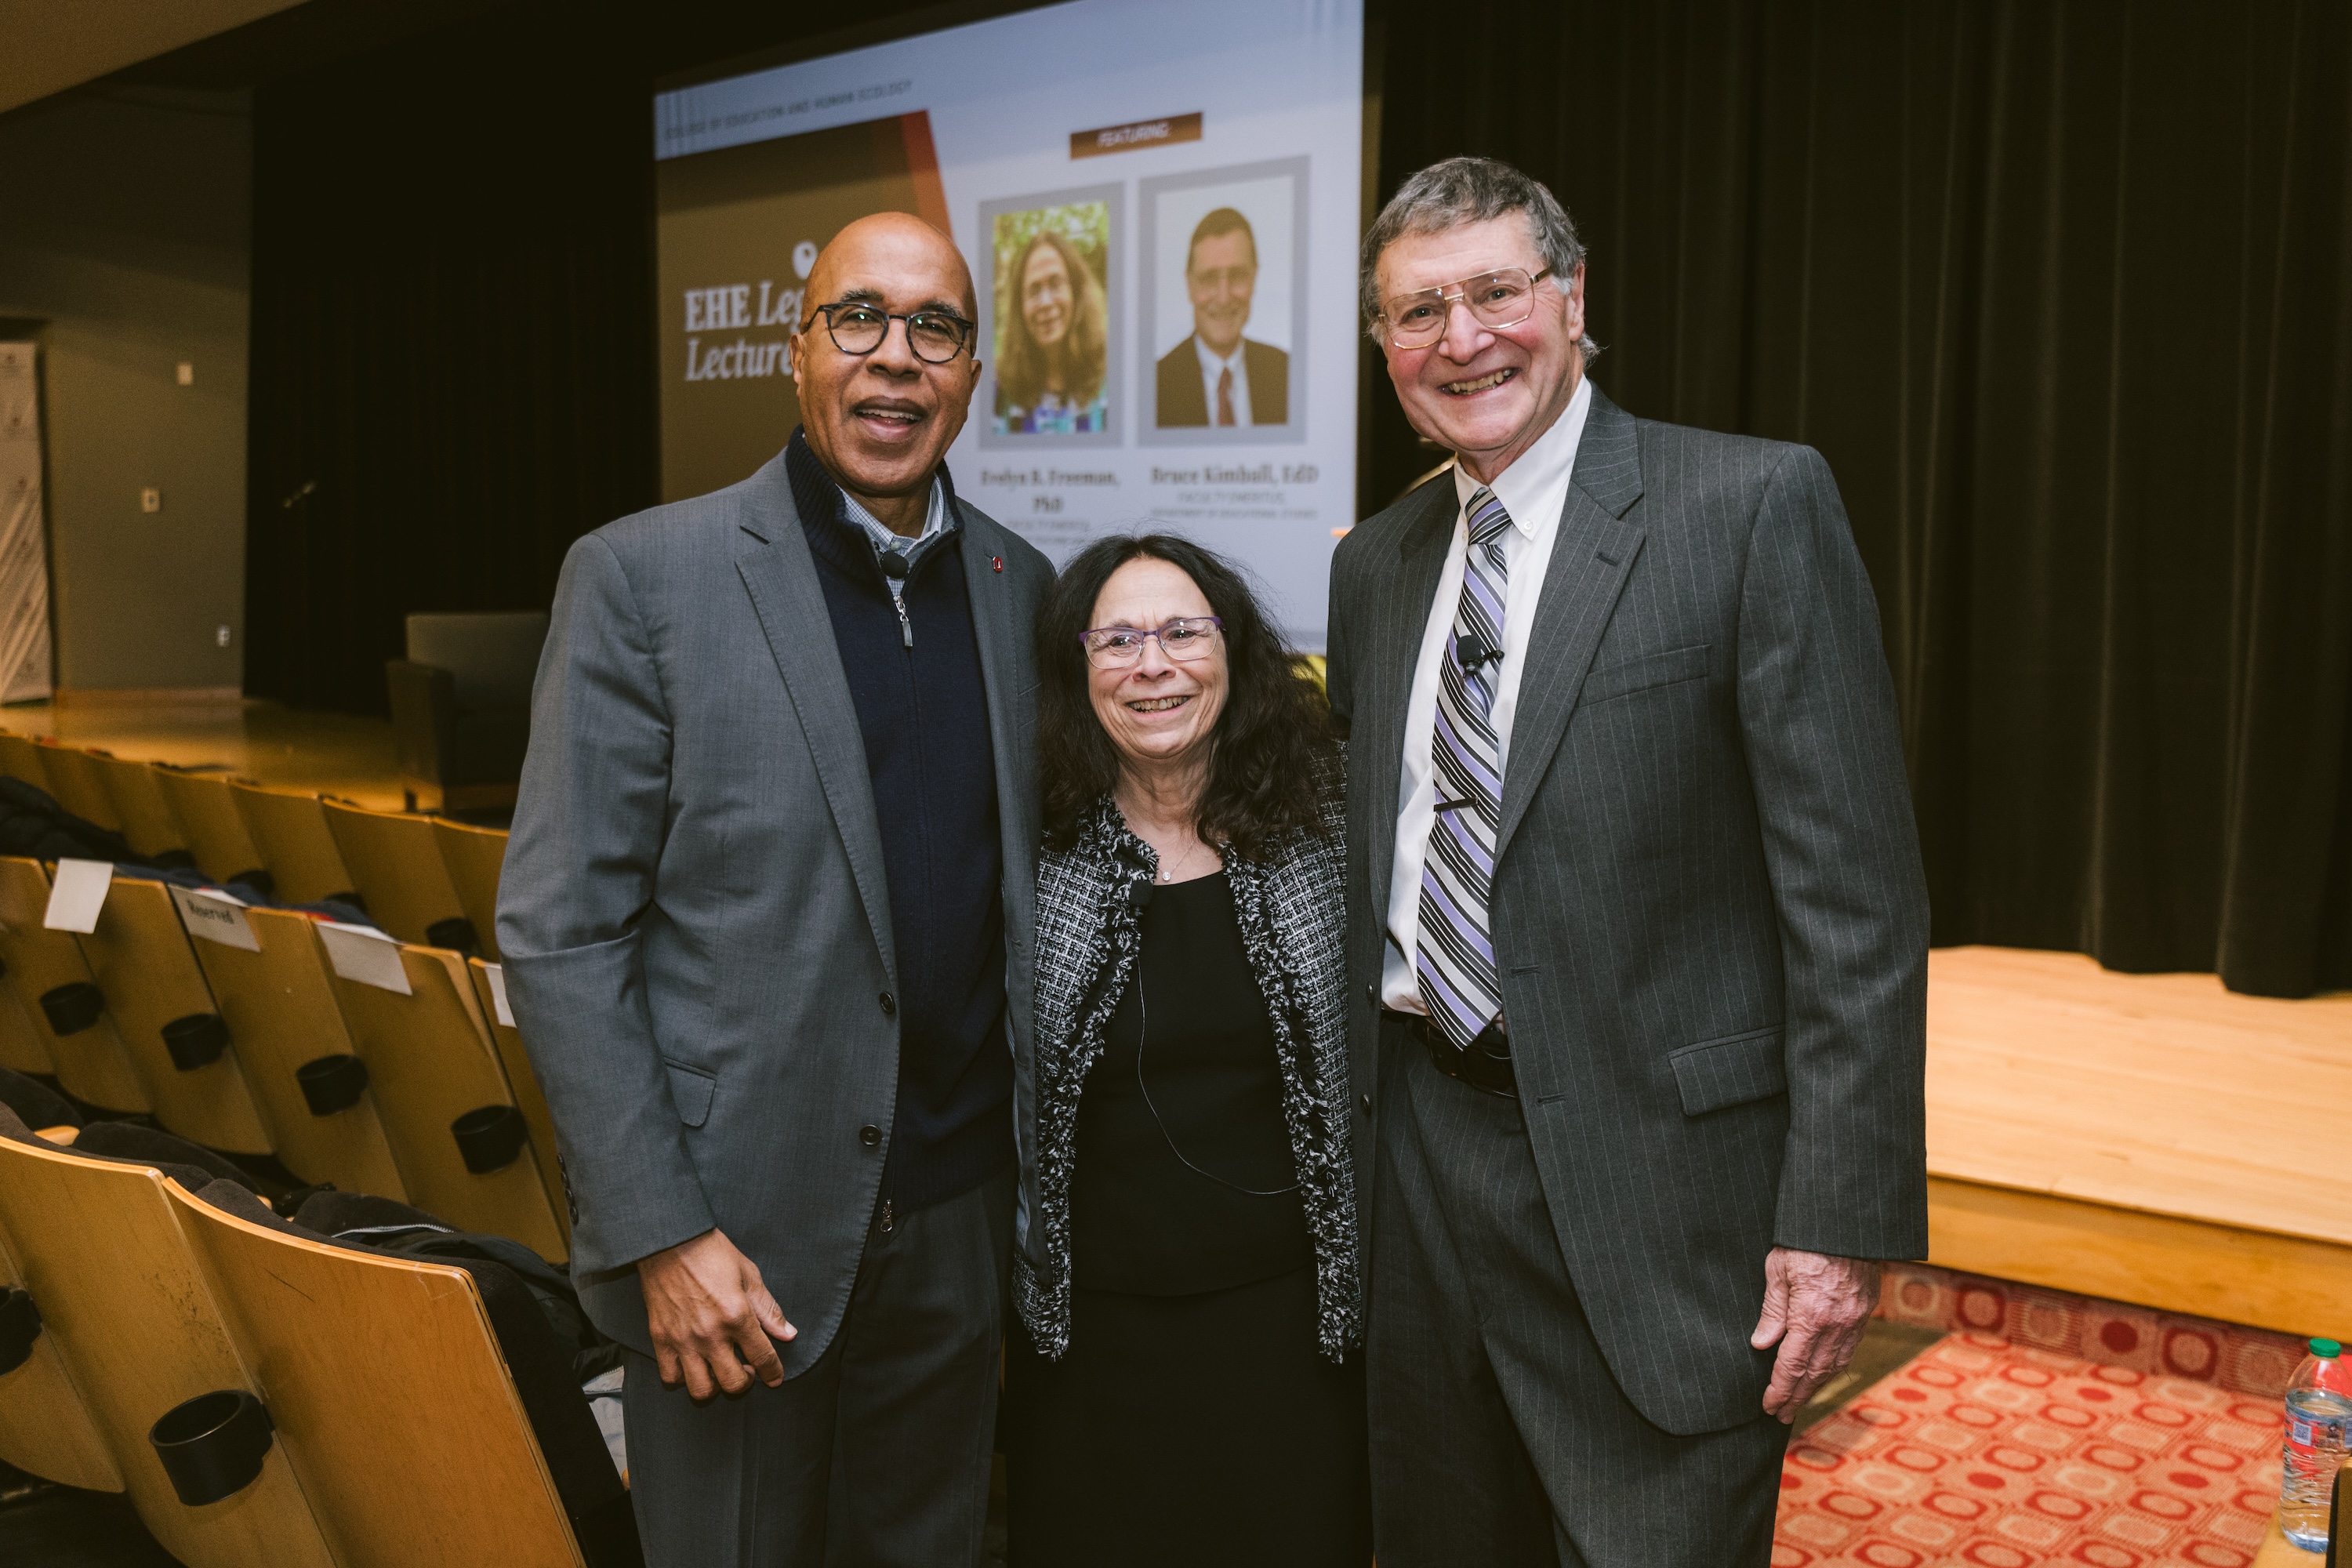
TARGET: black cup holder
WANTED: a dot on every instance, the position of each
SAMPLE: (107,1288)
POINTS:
(489,1137)
(335,1083)
(20,1325)
(72,1007)
(212,1446)
(196,1040)
(457,933)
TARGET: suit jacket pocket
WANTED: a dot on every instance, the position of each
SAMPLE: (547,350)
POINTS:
(1733,1070)
(691,1087)
(1630,676)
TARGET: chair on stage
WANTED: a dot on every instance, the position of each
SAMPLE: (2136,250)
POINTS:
(474,856)
(44,1428)
(461,707)
(395,865)
(149,823)
(20,759)
(461,1143)
(406,1396)
(61,1001)
(99,1247)
(490,990)
(207,812)
(279,1001)
(297,848)
(77,781)
(186,1056)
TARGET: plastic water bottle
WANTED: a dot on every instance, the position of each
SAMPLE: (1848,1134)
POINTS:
(2318,1417)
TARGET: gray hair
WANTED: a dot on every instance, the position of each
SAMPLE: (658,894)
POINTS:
(1472,190)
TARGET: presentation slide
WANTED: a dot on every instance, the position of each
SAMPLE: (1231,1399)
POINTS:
(1160,204)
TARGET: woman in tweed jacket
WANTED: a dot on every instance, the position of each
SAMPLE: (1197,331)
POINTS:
(1184,1389)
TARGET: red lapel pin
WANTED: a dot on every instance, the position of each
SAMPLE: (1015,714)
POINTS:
(997,561)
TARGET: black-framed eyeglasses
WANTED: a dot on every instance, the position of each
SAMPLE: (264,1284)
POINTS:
(859,328)
(1183,639)
(1495,301)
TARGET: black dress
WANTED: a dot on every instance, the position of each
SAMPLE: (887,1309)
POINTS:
(1191,1421)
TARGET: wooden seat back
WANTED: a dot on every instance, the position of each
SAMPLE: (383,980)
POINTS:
(391,1397)
(474,856)
(46,1430)
(103,1254)
(490,980)
(207,812)
(396,866)
(136,791)
(78,780)
(280,1004)
(298,850)
(91,1063)
(430,1062)
(24,1045)
(141,959)
(20,759)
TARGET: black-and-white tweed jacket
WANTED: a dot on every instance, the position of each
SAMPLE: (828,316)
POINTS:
(1293,922)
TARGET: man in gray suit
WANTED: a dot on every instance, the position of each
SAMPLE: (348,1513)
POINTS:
(1638,931)
(766,916)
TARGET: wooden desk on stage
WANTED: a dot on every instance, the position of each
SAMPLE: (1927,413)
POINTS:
(2146,1138)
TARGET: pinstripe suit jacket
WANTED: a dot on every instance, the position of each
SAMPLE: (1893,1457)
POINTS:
(1710,914)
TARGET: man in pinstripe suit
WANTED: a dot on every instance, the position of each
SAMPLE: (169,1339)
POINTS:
(1637,930)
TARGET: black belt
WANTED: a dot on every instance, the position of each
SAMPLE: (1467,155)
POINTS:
(1484,1066)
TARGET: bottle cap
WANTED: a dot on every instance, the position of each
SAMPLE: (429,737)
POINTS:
(2326,1350)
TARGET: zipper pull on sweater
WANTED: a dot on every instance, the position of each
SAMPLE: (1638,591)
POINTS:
(893,572)
(906,626)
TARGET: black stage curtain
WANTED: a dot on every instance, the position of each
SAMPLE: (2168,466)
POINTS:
(2063,290)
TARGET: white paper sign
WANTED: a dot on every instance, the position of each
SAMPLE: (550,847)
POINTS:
(77,894)
(214,916)
(366,955)
(498,973)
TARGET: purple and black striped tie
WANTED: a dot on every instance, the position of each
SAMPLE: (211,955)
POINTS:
(1455,957)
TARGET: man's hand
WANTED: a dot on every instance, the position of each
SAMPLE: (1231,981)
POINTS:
(711,1318)
(1814,1308)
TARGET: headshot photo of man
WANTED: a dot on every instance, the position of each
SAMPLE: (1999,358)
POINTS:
(1218,375)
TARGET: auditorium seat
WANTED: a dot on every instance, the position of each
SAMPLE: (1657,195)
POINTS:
(297,848)
(487,979)
(102,1253)
(474,856)
(20,758)
(280,1004)
(431,1067)
(396,867)
(89,1059)
(24,1045)
(186,1056)
(387,1383)
(149,824)
(46,1430)
(207,811)
(77,780)
(461,707)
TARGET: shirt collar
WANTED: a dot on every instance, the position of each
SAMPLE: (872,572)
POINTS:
(1211,359)
(1542,469)
(934,523)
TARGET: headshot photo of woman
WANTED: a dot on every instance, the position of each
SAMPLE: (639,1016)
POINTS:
(1052,331)
(1185,1385)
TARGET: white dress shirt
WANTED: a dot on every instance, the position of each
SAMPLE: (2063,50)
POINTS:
(1533,491)
(1211,365)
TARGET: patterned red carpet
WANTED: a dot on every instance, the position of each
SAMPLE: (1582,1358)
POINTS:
(2046,1429)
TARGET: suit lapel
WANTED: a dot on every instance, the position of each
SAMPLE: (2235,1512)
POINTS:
(1591,559)
(1006,668)
(1399,621)
(781,576)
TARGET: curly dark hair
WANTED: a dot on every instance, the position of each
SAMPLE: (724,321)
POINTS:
(1272,751)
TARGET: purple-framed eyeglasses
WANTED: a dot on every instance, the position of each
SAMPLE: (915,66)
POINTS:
(1183,639)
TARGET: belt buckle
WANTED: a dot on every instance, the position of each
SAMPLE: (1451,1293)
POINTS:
(1454,1062)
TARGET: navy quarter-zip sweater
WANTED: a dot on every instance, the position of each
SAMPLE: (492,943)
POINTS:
(923,710)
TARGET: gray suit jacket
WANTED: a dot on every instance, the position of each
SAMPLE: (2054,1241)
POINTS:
(1710,912)
(696,927)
